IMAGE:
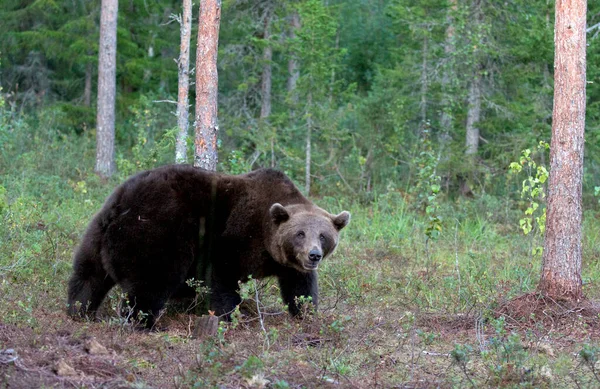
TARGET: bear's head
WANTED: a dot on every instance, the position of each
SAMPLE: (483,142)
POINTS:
(303,234)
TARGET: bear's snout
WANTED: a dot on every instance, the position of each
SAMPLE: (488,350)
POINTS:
(315,255)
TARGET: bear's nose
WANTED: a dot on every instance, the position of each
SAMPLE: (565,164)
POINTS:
(315,255)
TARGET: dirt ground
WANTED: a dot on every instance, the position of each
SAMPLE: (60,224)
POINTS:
(384,352)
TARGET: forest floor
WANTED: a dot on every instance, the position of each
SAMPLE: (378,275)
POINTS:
(368,334)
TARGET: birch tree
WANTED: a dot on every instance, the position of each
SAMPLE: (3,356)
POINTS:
(107,80)
(183,65)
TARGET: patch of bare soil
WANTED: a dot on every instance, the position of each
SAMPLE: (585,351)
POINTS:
(61,353)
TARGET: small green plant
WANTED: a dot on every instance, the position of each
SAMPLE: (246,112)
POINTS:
(508,360)
(460,357)
(589,358)
(533,191)
(200,292)
(428,187)
(236,164)
(251,366)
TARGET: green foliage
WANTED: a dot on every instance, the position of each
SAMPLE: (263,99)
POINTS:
(533,191)
(427,186)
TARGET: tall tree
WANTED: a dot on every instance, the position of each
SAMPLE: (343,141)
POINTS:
(183,64)
(266,81)
(448,73)
(561,262)
(293,72)
(107,80)
(474,99)
(207,128)
(317,56)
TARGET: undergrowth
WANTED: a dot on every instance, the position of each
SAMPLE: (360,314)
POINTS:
(398,308)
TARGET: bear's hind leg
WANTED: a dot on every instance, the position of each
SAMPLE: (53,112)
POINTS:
(90,282)
(87,288)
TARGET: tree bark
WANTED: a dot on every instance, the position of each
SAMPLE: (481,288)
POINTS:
(448,74)
(183,65)
(293,68)
(207,85)
(265,109)
(474,109)
(561,261)
(424,84)
(308,145)
(87,90)
(107,86)
(473,114)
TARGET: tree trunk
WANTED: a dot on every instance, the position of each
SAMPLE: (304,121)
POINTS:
(448,75)
(561,262)
(87,90)
(183,65)
(474,108)
(265,108)
(107,86)
(473,114)
(424,84)
(293,69)
(207,85)
(308,145)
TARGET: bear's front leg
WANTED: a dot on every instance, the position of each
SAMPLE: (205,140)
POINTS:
(224,298)
(295,284)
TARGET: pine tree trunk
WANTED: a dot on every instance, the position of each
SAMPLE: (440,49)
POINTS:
(183,65)
(561,262)
(207,85)
(87,90)
(308,145)
(473,115)
(107,66)
(424,84)
(448,74)
(265,108)
(293,68)
(474,98)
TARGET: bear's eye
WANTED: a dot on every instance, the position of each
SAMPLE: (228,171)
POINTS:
(322,238)
(300,234)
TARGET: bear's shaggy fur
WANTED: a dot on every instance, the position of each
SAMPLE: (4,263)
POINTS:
(155,227)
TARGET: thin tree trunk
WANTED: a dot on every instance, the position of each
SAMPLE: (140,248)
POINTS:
(474,98)
(207,85)
(265,108)
(332,84)
(107,86)
(308,145)
(473,114)
(293,68)
(424,84)
(448,74)
(87,90)
(561,261)
(183,65)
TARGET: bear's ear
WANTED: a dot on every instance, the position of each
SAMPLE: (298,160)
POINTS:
(278,213)
(340,221)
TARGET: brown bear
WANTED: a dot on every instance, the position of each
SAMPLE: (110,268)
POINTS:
(164,226)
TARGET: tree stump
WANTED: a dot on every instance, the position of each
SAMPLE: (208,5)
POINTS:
(206,326)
